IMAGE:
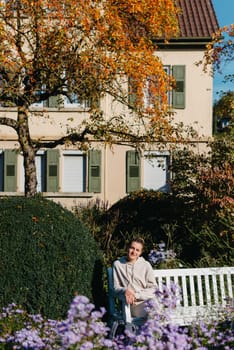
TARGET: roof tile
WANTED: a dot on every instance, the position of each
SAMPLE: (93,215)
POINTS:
(198,19)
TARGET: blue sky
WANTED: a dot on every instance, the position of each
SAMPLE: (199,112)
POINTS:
(225,14)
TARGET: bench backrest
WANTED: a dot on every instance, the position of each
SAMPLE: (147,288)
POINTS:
(202,289)
(200,286)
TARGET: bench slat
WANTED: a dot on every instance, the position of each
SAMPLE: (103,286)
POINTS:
(215,290)
(184,291)
(200,294)
(168,281)
(160,282)
(222,289)
(176,281)
(207,290)
(229,286)
(192,290)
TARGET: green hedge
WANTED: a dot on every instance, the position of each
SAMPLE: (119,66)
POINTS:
(46,257)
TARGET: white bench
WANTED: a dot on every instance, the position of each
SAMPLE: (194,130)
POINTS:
(205,293)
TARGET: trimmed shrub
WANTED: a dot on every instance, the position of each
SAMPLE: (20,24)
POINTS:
(46,257)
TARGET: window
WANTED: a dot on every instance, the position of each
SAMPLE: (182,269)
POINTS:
(40,161)
(156,171)
(176,97)
(74,172)
(62,101)
(133,179)
(167,69)
(74,99)
(52,170)
(49,164)
(47,170)
(149,97)
(94,171)
(40,169)
(178,94)
(76,102)
(37,95)
(10,170)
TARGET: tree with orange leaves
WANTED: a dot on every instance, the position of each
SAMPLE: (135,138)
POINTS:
(220,50)
(84,49)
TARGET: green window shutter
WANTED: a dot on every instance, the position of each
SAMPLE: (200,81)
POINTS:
(94,167)
(54,101)
(131,93)
(178,94)
(10,171)
(1,171)
(52,170)
(133,180)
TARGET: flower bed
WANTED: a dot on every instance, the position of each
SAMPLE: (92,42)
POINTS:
(83,329)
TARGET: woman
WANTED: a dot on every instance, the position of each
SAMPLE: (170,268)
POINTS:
(134,281)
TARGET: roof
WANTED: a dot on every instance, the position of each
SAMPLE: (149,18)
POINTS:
(198,19)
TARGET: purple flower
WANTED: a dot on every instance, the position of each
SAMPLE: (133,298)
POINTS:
(84,330)
(160,255)
(86,346)
(29,338)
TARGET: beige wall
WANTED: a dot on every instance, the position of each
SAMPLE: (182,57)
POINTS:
(198,113)
(199,90)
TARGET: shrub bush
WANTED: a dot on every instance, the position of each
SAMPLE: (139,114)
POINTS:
(150,214)
(46,257)
(198,236)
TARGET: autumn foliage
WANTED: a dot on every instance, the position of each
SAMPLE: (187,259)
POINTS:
(82,47)
(220,49)
(87,49)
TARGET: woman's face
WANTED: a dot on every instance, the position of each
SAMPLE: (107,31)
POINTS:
(134,251)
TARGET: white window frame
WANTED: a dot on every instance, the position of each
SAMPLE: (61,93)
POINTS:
(168,69)
(68,175)
(150,179)
(78,103)
(65,102)
(41,177)
(148,98)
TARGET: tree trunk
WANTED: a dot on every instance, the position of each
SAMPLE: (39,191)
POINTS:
(29,152)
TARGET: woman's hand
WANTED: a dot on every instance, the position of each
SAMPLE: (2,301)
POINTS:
(130,296)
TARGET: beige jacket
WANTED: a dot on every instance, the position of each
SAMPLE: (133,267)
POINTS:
(137,276)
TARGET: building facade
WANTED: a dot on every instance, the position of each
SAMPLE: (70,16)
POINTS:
(73,177)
